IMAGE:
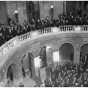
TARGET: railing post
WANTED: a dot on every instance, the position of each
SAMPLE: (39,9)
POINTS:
(66,28)
(87,28)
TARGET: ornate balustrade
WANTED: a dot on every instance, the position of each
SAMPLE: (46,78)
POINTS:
(84,28)
(24,36)
(67,28)
(13,42)
(45,30)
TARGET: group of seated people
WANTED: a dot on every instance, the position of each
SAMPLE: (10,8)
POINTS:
(68,75)
(14,29)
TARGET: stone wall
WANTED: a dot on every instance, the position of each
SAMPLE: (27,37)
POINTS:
(45,7)
(20,6)
(3,13)
(7,9)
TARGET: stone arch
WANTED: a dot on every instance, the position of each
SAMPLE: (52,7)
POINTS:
(66,52)
(84,49)
(68,41)
(12,72)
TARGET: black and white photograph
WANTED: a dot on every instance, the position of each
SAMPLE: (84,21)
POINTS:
(43,43)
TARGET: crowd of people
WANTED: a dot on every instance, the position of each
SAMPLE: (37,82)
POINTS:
(14,29)
(68,75)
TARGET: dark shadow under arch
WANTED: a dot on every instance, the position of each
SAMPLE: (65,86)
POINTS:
(84,54)
(84,49)
(66,52)
(12,72)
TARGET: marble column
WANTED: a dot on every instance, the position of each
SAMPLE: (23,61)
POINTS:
(76,53)
(33,69)
(49,55)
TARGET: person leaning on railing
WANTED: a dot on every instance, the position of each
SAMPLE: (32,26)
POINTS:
(14,29)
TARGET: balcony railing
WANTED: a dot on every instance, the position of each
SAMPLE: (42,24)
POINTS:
(67,28)
(4,49)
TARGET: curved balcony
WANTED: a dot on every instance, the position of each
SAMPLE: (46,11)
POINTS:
(59,37)
(4,49)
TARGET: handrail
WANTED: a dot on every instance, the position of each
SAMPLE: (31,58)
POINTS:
(24,36)
(66,28)
(9,44)
(84,28)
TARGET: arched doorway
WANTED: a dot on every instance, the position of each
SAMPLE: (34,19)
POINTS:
(84,55)
(66,52)
(12,72)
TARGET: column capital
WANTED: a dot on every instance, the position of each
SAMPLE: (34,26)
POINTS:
(77,47)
